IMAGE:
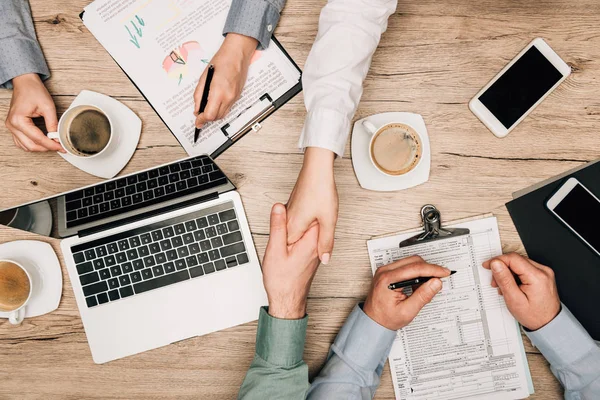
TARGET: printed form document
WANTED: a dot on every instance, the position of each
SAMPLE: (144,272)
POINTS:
(465,343)
(165,45)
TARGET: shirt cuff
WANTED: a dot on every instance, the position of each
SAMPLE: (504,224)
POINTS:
(563,340)
(280,341)
(327,129)
(254,18)
(28,58)
(363,341)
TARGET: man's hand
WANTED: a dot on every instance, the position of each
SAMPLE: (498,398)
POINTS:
(314,201)
(392,308)
(231,64)
(288,271)
(31,99)
(534,302)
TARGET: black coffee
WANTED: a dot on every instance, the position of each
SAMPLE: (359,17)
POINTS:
(89,132)
(7,216)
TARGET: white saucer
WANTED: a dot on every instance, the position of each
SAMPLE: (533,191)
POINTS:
(127,128)
(39,259)
(370,177)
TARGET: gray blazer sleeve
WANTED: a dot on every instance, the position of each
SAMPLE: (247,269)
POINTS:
(20,52)
(254,18)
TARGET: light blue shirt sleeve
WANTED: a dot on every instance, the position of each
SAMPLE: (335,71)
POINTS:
(20,52)
(573,355)
(355,361)
(254,18)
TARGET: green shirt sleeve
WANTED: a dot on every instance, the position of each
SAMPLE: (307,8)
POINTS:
(277,370)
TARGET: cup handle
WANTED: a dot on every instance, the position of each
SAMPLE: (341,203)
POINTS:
(53,135)
(371,129)
(16,317)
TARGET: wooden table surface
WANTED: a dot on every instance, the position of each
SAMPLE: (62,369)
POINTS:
(433,58)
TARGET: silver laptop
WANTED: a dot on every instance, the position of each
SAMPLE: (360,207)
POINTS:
(153,257)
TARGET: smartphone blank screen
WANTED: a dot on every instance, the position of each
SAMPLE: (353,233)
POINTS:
(520,87)
(581,211)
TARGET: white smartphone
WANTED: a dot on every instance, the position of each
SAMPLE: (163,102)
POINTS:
(579,210)
(508,98)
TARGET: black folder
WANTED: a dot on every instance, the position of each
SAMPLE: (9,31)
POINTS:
(548,241)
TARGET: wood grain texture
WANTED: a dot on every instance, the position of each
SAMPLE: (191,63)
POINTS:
(433,58)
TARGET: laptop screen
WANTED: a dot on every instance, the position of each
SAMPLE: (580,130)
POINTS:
(121,200)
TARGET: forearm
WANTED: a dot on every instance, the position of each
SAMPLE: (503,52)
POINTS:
(277,370)
(254,18)
(336,67)
(573,355)
(355,361)
(20,52)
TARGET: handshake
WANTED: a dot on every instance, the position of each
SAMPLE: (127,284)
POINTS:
(529,288)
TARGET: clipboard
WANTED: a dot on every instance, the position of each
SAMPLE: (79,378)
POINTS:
(250,119)
(433,230)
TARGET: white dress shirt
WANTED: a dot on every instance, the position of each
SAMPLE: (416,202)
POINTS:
(349,32)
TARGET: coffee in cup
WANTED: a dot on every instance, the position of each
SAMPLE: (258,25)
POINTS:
(15,287)
(395,148)
(84,131)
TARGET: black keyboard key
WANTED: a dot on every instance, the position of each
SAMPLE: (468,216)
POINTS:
(185,165)
(104,274)
(135,241)
(163,170)
(115,271)
(242,258)
(190,226)
(209,268)
(115,204)
(121,257)
(137,198)
(173,178)
(174,168)
(203,258)
(154,248)
(169,267)
(104,207)
(73,205)
(152,184)
(147,274)
(157,235)
(202,222)
(179,229)
(177,241)
(185,174)
(232,237)
(131,179)
(122,183)
(89,278)
(143,251)
(126,201)
(196,171)
(162,281)
(153,173)
(98,199)
(71,216)
(168,232)
(216,242)
(148,195)
(112,248)
(141,187)
(161,258)
(111,186)
(114,295)
(172,255)
(98,264)
(88,192)
(94,210)
(158,270)
(127,268)
(130,190)
(123,245)
(211,231)
(110,261)
(199,235)
(191,261)
(205,245)
(100,189)
(213,219)
(231,262)
(214,254)
(188,238)
(170,189)
(180,264)
(227,215)
(206,169)
(165,245)
(101,251)
(85,268)
(196,272)
(221,229)
(146,238)
(124,280)
(163,180)
(91,301)
(79,257)
(126,291)
(102,298)
(138,264)
(142,176)
(181,185)
(132,254)
(119,193)
(136,277)
(149,262)
(192,182)
(233,226)
(194,248)
(183,252)
(220,265)
(82,213)
(203,179)
(95,288)
(232,249)
(216,175)
(108,196)
(74,196)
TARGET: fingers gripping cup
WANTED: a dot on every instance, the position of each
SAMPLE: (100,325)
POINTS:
(395,148)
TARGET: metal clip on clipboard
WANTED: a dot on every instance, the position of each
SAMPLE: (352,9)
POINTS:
(432,223)
(256,113)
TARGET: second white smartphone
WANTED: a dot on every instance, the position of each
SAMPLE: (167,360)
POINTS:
(523,84)
(576,207)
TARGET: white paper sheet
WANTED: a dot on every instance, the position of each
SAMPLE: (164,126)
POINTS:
(465,343)
(165,45)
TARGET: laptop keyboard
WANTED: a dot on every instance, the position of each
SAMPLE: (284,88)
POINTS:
(167,252)
(141,190)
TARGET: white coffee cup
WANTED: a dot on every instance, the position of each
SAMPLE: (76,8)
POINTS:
(412,160)
(17,315)
(64,124)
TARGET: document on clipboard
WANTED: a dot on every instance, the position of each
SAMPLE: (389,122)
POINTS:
(164,46)
(465,343)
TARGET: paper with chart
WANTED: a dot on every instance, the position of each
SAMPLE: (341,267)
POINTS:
(165,45)
(465,343)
